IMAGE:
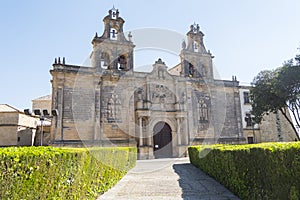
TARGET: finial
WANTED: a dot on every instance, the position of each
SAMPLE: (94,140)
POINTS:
(183,45)
(129,36)
(64,60)
(58,60)
(234,78)
(192,27)
(117,13)
(113,13)
(159,61)
(55,61)
(96,34)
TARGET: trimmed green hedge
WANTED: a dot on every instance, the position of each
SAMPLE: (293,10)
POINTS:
(259,171)
(61,173)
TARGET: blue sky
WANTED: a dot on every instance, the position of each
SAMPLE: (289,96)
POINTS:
(244,36)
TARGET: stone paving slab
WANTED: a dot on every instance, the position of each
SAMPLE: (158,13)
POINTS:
(167,179)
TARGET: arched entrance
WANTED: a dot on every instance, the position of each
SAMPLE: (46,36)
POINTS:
(162,140)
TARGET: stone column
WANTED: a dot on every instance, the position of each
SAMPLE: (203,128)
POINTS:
(141,131)
(238,112)
(150,137)
(186,131)
(97,110)
(148,89)
(178,131)
(60,101)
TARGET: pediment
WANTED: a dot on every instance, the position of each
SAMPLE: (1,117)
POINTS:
(160,71)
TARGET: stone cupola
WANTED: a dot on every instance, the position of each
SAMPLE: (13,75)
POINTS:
(113,50)
(196,62)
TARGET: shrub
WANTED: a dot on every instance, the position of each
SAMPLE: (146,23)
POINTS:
(259,171)
(61,173)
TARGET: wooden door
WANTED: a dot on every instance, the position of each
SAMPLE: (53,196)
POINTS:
(162,140)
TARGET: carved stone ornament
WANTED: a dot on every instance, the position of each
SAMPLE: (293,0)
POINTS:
(160,93)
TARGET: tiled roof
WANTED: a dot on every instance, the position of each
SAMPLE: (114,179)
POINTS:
(47,97)
(8,108)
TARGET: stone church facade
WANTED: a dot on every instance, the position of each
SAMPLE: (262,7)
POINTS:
(161,112)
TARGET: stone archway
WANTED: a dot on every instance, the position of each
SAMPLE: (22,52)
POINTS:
(162,140)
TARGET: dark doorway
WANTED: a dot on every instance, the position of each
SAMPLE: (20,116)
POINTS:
(250,140)
(162,139)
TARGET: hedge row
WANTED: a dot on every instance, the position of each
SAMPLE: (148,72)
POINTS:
(259,171)
(61,173)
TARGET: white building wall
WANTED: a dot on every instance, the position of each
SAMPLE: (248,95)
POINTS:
(267,130)
(245,107)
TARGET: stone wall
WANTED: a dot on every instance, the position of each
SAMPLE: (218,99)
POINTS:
(26,137)
(43,103)
(108,106)
(27,121)
(8,128)
(8,135)
(274,128)
(16,129)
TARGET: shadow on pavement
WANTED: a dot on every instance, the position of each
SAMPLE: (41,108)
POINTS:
(195,184)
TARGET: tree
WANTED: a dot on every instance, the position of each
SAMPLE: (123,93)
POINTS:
(278,91)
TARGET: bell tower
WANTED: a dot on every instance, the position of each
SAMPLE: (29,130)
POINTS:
(196,62)
(112,50)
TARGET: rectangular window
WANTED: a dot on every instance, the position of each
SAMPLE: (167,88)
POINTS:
(248,120)
(246,97)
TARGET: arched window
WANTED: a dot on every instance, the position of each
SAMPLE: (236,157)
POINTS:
(191,70)
(104,60)
(196,47)
(122,61)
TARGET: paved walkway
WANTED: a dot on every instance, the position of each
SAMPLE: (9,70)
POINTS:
(171,178)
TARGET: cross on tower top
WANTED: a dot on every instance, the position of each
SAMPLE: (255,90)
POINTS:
(194,27)
(114,13)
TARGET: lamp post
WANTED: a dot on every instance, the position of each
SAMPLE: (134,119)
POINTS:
(42,116)
(42,129)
